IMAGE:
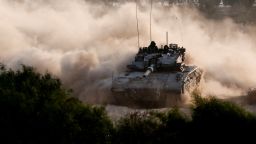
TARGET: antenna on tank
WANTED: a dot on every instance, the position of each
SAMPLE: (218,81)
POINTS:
(112,75)
(137,24)
(150,20)
(180,27)
(167,38)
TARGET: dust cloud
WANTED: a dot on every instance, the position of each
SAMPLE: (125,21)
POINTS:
(86,43)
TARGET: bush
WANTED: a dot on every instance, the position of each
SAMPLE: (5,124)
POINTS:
(212,120)
(152,127)
(174,127)
(138,127)
(218,120)
(35,108)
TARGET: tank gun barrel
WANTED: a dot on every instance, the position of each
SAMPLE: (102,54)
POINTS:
(150,69)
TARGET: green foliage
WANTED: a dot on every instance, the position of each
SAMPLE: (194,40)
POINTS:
(209,3)
(174,127)
(151,127)
(208,6)
(217,111)
(211,119)
(35,108)
(246,3)
(137,128)
(217,120)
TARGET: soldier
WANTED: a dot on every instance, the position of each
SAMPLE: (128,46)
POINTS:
(166,48)
(152,47)
(140,51)
(182,51)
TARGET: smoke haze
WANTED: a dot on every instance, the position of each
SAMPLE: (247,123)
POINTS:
(85,43)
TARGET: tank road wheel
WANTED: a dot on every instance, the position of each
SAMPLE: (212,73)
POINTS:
(172,100)
(122,99)
(117,98)
(176,100)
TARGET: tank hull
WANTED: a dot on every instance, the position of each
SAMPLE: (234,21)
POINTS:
(155,91)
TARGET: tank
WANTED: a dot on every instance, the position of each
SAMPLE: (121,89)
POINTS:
(157,77)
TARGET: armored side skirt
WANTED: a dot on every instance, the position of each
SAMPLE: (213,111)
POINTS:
(147,98)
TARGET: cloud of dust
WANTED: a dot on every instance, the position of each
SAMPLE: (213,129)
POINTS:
(84,44)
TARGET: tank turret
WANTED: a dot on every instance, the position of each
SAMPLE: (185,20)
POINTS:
(157,77)
(169,58)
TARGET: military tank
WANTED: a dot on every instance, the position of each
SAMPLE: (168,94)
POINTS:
(157,77)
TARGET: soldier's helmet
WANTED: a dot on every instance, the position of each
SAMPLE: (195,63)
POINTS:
(152,43)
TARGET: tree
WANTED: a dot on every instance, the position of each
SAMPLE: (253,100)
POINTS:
(230,2)
(246,3)
(137,128)
(152,127)
(208,6)
(35,108)
(217,120)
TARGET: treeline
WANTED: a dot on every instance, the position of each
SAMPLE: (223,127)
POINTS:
(241,11)
(35,109)
(247,3)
